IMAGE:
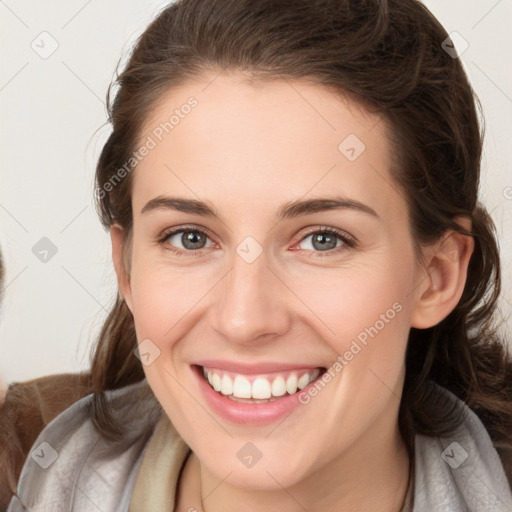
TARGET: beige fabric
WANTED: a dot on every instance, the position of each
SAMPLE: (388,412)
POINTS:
(166,454)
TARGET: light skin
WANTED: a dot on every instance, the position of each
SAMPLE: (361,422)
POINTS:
(246,150)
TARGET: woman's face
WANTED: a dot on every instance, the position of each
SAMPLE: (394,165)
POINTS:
(252,287)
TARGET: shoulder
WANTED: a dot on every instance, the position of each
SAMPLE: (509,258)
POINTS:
(462,469)
(25,409)
(71,466)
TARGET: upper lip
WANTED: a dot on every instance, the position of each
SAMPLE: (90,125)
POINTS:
(253,368)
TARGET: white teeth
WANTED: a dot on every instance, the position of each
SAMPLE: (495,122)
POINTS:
(306,379)
(241,387)
(226,385)
(279,386)
(216,382)
(291,384)
(303,381)
(261,388)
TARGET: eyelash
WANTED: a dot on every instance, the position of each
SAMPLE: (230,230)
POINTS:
(348,242)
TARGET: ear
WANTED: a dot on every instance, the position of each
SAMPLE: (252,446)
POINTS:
(442,281)
(122,273)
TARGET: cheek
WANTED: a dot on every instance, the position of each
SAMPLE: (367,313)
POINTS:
(155,305)
(164,297)
(164,308)
(365,314)
(357,302)
(362,314)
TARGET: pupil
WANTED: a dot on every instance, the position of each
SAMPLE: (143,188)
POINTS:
(321,239)
(191,237)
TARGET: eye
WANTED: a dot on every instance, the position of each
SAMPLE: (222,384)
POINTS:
(191,239)
(325,240)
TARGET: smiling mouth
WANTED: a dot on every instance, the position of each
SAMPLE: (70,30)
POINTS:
(262,388)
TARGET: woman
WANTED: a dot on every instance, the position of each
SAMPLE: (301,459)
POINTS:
(307,279)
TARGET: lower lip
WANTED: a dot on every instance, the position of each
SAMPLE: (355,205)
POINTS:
(244,413)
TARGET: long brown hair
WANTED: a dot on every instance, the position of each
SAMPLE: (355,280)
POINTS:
(387,54)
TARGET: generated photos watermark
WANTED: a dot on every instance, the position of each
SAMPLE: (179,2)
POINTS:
(357,345)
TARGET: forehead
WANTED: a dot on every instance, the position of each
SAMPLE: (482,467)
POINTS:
(222,136)
(231,90)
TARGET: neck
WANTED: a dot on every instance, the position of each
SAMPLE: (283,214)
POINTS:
(373,475)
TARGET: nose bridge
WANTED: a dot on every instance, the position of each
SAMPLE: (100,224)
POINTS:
(250,303)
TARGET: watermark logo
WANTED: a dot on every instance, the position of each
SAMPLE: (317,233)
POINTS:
(44,45)
(454,45)
(249,249)
(249,455)
(147,352)
(44,250)
(352,147)
(44,455)
(454,455)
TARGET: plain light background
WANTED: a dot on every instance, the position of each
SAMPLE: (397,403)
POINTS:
(52,131)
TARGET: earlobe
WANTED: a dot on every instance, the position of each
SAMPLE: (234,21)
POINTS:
(442,284)
(123,276)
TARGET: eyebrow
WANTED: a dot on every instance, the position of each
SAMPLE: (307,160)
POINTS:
(288,210)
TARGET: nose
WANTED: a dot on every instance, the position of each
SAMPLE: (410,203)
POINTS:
(250,303)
